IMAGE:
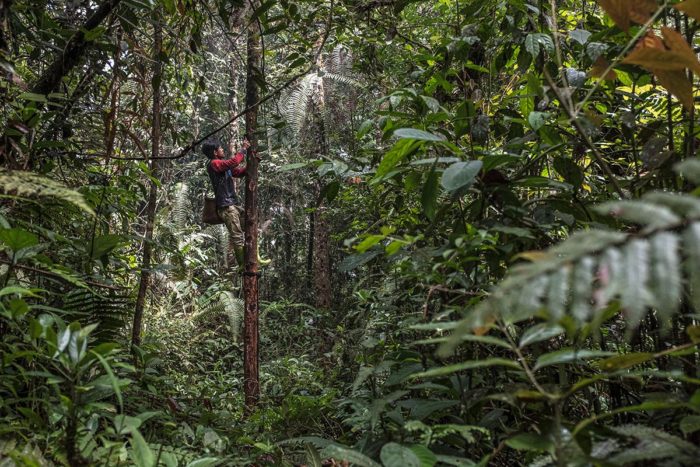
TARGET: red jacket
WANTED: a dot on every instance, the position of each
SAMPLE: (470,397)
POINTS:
(222,165)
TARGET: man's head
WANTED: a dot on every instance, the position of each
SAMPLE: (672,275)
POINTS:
(212,149)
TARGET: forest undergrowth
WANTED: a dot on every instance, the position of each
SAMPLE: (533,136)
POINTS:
(483,219)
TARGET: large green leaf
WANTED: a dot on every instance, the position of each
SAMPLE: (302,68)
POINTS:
(460,175)
(395,455)
(429,195)
(396,154)
(141,454)
(420,135)
(17,239)
(569,356)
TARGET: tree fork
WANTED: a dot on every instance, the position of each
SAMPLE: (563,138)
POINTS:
(152,195)
(251,380)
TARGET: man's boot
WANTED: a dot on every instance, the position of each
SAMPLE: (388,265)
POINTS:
(263,261)
(238,252)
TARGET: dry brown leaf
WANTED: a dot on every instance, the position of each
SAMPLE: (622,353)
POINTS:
(690,8)
(618,11)
(599,67)
(677,84)
(657,59)
(676,42)
(673,53)
(624,12)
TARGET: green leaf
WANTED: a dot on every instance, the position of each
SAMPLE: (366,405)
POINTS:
(470,365)
(530,442)
(17,239)
(395,455)
(426,457)
(104,244)
(691,244)
(535,42)
(536,120)
(635,267)
(429,195)
(124,424)
(420,135)
(539,333)
(580,35)
(582,285)
(140,453)
(112,378)
(665,274)
(690,424)
(640,212)
(396,154)
(355,261)
(460,175)
(569,356)
(28,184)
(619,362)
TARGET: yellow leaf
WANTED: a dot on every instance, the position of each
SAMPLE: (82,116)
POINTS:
(599,67)
(690,8)
(677,84)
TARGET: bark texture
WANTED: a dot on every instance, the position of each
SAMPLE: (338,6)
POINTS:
(251,380)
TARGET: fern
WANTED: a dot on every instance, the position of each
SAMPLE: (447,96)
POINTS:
(181,207)
(29,185)
(225,303)
(582,275)
(110,310)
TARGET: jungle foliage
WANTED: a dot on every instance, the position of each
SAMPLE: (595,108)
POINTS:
(484,220)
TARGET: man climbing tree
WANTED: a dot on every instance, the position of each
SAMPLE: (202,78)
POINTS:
(228,205)
(221,173)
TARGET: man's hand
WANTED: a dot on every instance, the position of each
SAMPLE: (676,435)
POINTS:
(246,144)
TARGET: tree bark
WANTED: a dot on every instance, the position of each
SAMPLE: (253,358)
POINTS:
(321,258)
(250,276)
(153,192)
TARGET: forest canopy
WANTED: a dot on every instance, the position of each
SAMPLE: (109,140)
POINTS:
(390,233)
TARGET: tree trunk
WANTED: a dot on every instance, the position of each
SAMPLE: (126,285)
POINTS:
(152,195)
(321,259)
(250,276)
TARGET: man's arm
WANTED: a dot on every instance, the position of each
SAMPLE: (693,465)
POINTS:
(222,165)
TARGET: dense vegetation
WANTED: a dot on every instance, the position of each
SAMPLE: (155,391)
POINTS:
(483,217)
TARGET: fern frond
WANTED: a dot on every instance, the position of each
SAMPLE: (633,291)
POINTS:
(580,276)
(109,310)
(225,304)
(181,207)
(29,185)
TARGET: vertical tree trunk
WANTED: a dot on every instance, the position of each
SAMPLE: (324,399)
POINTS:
(250,276)
(152,195)
(321,259)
